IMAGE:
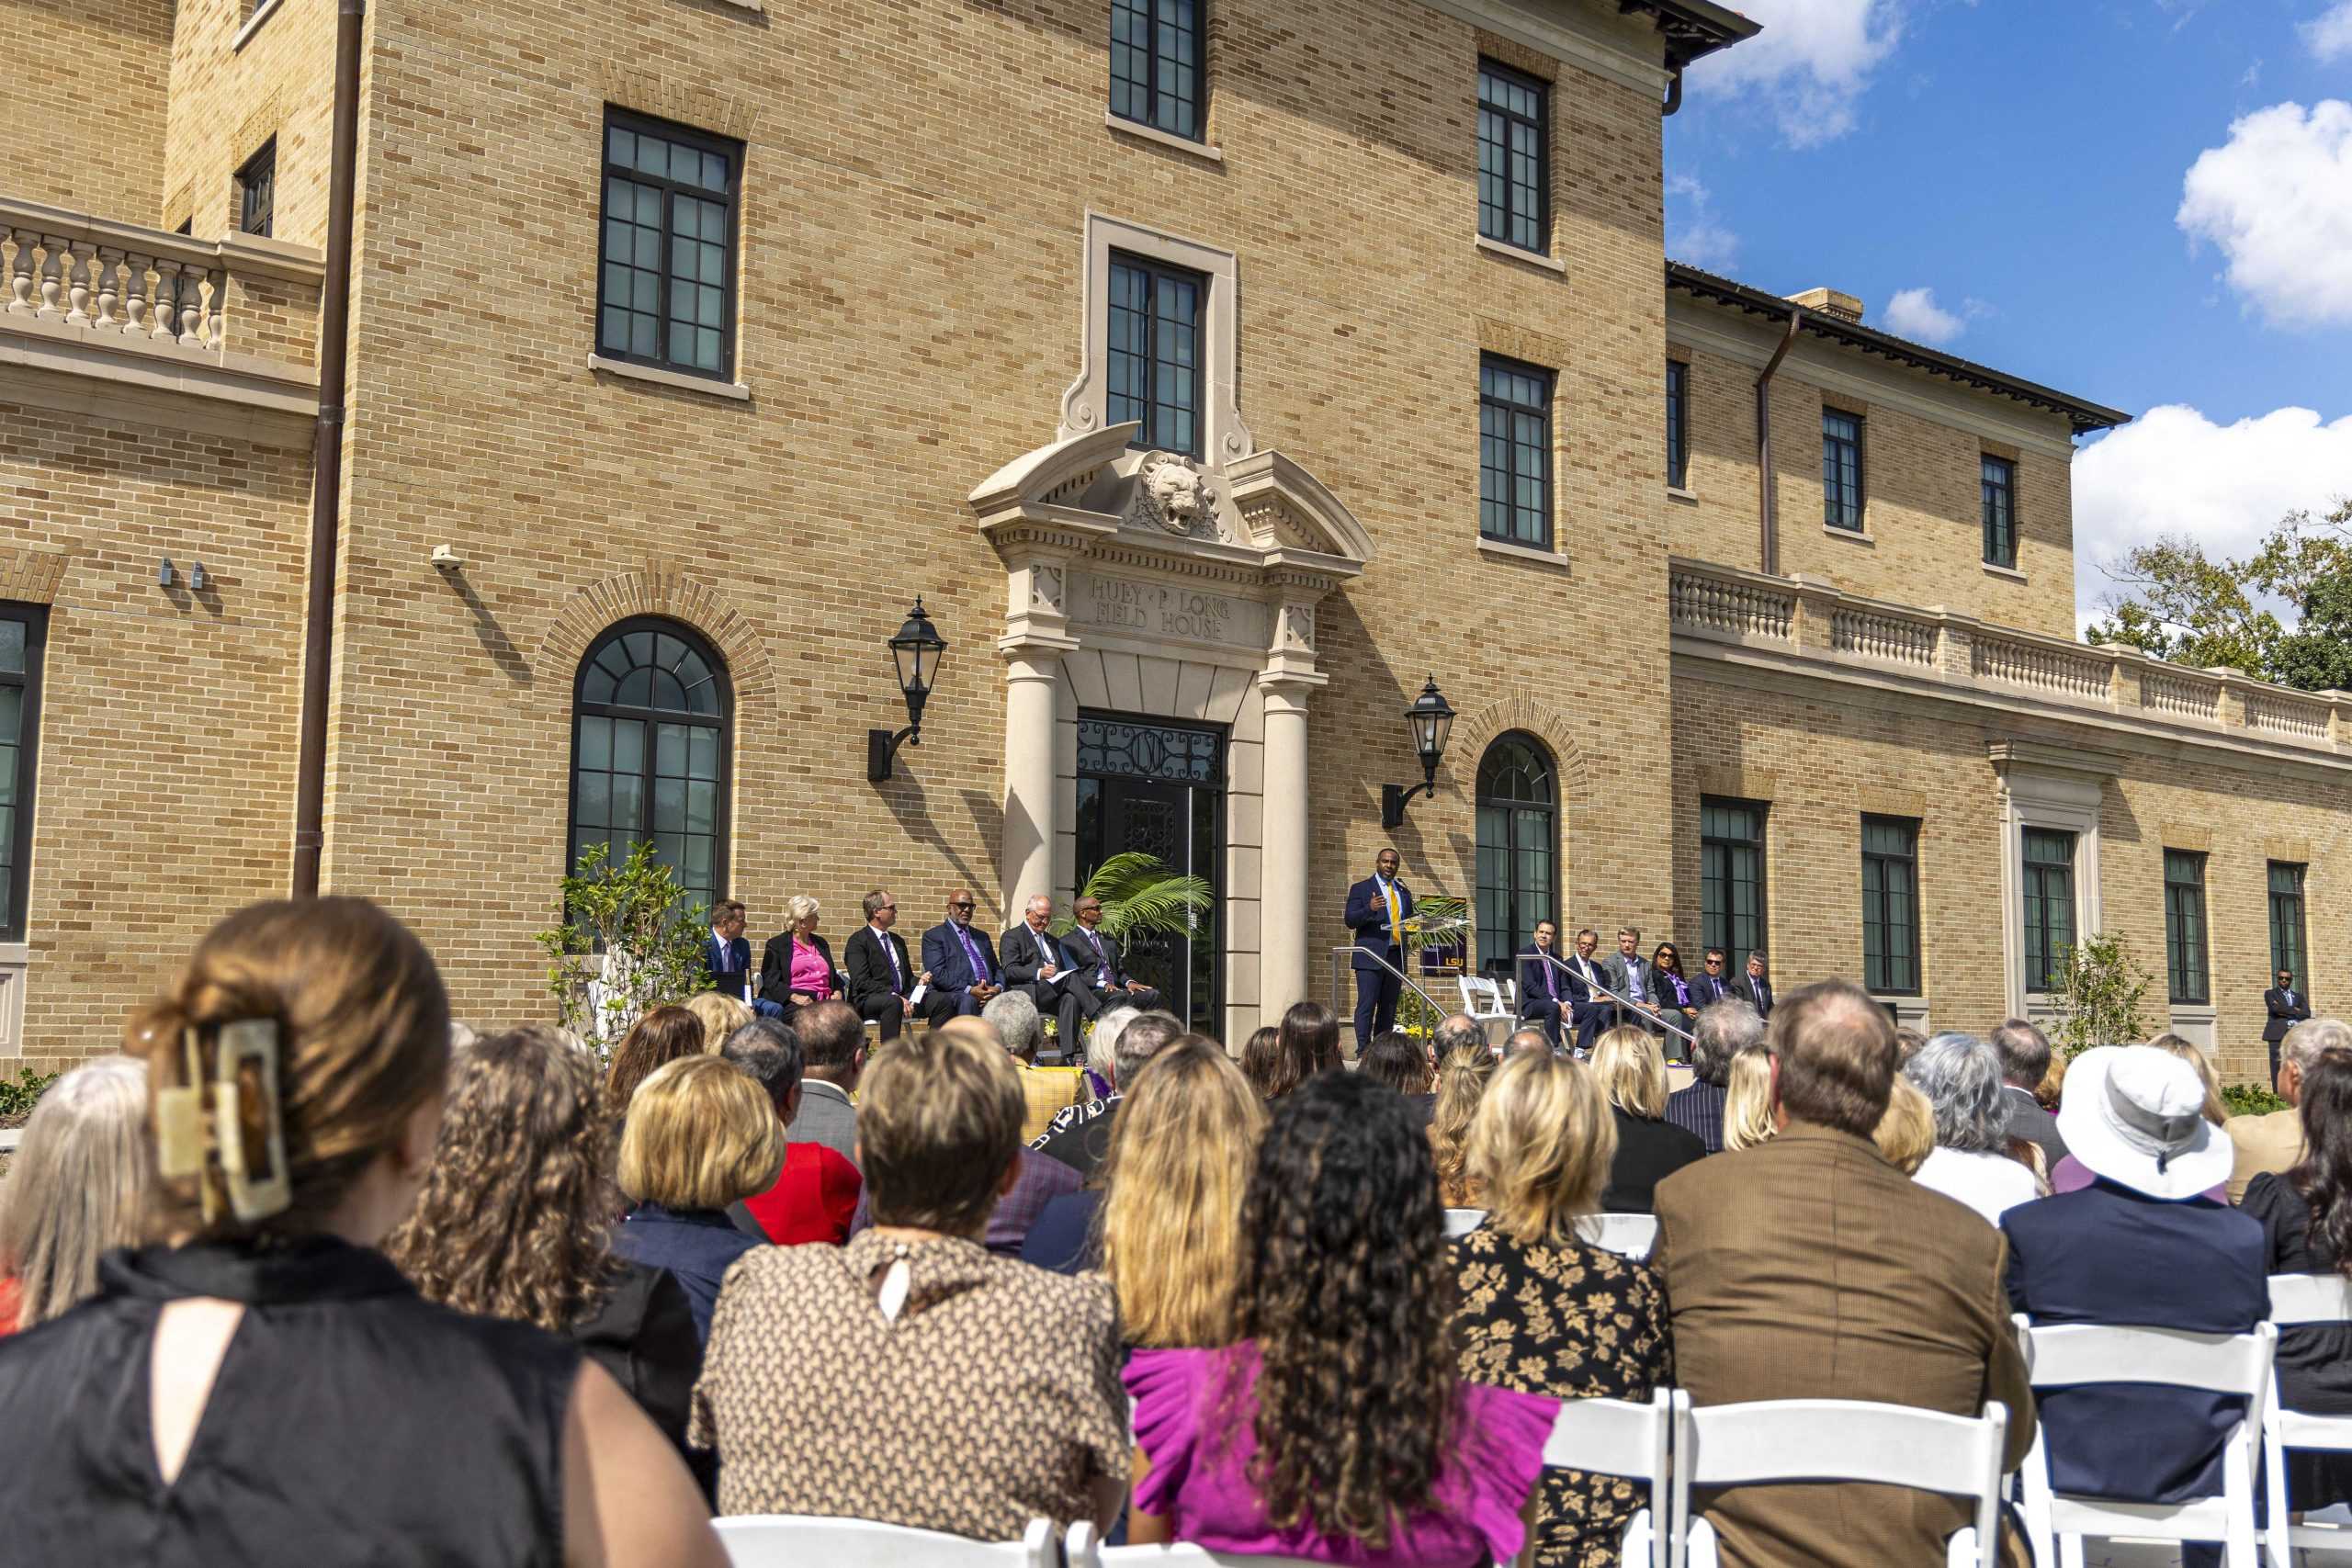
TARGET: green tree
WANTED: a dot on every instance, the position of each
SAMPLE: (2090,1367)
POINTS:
(2100,988)
(628,942)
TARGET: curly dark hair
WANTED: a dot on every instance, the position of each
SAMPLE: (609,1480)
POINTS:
(2324,1176)
(1346,1290)
(654,1040)
(515,1218)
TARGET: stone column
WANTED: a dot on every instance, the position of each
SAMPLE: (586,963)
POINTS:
(1281,925)
(1027,862)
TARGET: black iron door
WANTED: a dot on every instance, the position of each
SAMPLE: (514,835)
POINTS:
(1156,788)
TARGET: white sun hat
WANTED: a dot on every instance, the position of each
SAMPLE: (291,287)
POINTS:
(2136,1115)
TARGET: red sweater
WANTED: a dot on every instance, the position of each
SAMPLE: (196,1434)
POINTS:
(813,1199)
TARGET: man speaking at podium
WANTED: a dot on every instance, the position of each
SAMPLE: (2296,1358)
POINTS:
(1379,907)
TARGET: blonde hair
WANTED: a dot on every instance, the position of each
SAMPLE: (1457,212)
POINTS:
(1632,1071)
(1181,1150)
(1461,1080)
(1906,1133)
(938,1125)
(799,907)
(720,1016)
(701,1134)
(1542,1145)
(2215,1112)
(1747,1100)
(2052,1087)
(78,1187)
(362,1027)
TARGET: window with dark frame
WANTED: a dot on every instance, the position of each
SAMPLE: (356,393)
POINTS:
(2000,513)
(1731,878)
(2287,949)
(258,190)
(652,714)
(2049,906)
(1677,424)
(1891,906)
(2185,927)
(1518,804)
(24,634)
(1154,350)
(1841,469)
(1514,158)
(1156,64)
(665,289)
(1514,452)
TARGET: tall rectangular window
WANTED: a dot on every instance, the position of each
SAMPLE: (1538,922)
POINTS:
(2000,513)
(1514,452)
(1154,359)
(665,290)
(24,629)
(1841,469)
(257,191)
(1156,64)
(2287,921)
(1731,878)
(1891,906)
(1514,158)
(2048,904)
(2185,927)
(1677,424)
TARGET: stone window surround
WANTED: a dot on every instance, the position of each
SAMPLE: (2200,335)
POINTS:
(1085,403)
(2058,788)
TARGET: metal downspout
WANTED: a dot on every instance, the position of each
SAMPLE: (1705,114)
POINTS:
(1767,517)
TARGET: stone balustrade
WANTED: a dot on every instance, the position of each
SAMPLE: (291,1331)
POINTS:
(1809,619)
(71,281)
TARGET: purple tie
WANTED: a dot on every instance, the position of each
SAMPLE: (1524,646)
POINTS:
(1101,959)
(972,955)
(897,976)
(1551,985)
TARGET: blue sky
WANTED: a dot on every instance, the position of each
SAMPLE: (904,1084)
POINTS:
(2146,203)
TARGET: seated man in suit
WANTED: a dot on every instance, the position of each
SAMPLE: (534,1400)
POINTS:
(882,979)
(2288,1008)
(1756,988)
(1377,909)
(962,964)
(1034,963)
(1095,962)
(1543,988)
(1630,976)
(1714,983)
(728,952)
(1589,1011)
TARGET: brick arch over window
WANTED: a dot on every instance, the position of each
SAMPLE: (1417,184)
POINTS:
(1474,732)
(651,592)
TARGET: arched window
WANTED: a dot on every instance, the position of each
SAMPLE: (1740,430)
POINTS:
(651,720)
(1517,835)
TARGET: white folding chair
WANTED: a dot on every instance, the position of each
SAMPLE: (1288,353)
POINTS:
(2062,1354)
(2299,1299)
(1082,1550)
(1834,1441)
(1617,1437)
(795,1540)
(1628,1235)
(1461,1221)
(1482,999)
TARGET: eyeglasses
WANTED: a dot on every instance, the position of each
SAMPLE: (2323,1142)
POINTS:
(1714,963)
(963,904)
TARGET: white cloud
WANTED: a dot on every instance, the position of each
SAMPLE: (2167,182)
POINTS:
(1811,62)
(1694,232)
(1913,314)
(2329,35)
(2277,201)
(2173,472)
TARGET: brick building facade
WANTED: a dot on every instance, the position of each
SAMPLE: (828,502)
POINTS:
(948,254)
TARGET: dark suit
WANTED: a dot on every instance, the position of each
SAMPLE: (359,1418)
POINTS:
(1024,953)
(2035,1125)
(1634,978)
(1589,1011)
(1087,955)
(729,963)
(1707,989)
(952,976)
(775,967)
(876,990)
(2288,1009)
(1376,988)
(1542,991)
(1647,1153)
(1756,993)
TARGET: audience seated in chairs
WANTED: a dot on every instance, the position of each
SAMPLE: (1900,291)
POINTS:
(1632,1073)
(1343,1303)
(76,1191)
(833,1055)
(814,1195)
(1085,1144)
(1397,1059)
(1749,1117)
(1047,1092)
(2073,1175)
(879,1381)
(1723,1030)
(516,1222)
(1102,1067)
(2274,1141)
(1462,1080)
(344,1412)
(701,1135)
(1961,1076)
(1543,1311)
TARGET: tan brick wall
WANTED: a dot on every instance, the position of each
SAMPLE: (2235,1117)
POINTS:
(226,102)
(83,87)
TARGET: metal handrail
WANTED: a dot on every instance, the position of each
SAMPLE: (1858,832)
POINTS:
(1411,983)
(1622,1001)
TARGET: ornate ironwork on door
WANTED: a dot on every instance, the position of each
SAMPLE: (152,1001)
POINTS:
(1159,789)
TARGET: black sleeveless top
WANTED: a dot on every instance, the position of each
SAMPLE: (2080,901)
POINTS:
(351,1422)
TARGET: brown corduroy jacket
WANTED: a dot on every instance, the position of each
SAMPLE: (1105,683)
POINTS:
(1808,1267)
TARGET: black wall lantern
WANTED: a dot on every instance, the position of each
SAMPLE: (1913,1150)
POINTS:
(1431,721)
(917,650)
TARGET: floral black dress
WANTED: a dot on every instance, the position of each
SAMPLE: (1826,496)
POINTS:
(1573,1322)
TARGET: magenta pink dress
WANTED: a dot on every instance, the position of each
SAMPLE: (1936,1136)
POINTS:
(1201,1486)
(811,976)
